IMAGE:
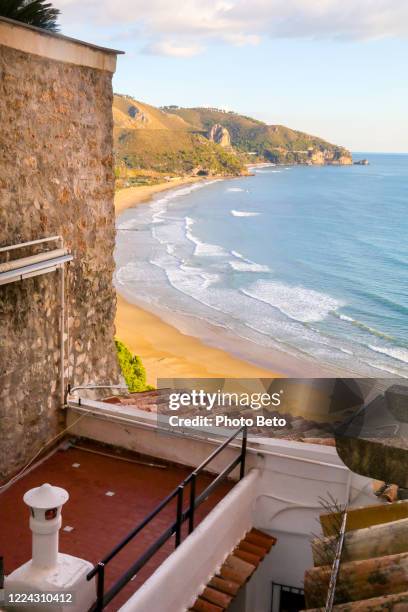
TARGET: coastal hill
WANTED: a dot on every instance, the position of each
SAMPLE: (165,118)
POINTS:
(154,142)
(274,143)
(149,141)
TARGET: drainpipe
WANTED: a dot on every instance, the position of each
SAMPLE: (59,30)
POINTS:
(62,324)
(34,259)
(62,339)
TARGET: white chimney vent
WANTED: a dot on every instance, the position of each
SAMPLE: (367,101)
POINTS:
(45,522)
(46,496)
(49,570)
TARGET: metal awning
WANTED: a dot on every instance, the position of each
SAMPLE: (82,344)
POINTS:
(34,265)
(50,260)
(27,271)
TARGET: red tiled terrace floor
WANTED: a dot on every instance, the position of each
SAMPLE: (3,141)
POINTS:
(100,521)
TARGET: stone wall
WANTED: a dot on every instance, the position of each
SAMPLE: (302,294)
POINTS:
(56,177)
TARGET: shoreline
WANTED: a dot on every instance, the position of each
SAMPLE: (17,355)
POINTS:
(165,351)
(132,196)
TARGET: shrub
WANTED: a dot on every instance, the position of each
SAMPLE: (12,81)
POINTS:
(132,368)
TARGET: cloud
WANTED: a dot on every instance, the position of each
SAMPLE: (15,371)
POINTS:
(184,28)
(171,49)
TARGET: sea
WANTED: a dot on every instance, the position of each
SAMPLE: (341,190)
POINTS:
(306,262)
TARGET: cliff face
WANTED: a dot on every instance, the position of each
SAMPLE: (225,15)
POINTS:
(220,135)
(329,157)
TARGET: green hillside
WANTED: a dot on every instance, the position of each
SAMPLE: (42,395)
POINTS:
(147,139)
(275,143)
(152,143)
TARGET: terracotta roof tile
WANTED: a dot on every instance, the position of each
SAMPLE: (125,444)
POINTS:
(246,556)
(297,427)
(394,603)
(236,570)
(252,548)
(225,586)
(201,605)
(216,597)
(243,569)
(372,576)
(261,540)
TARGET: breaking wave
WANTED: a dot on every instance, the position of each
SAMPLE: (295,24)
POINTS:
(246,265)
(397,352)
(244,213)
(202,249)
(298,303)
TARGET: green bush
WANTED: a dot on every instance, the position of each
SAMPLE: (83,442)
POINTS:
(132,368)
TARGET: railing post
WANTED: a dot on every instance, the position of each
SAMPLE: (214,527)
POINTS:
(100,587)
(179,513)
(243,452)
(192,503)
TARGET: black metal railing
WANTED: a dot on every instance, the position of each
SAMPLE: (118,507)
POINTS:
(103,597)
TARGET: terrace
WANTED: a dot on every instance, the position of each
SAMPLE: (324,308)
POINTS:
(118,466)
(110,493)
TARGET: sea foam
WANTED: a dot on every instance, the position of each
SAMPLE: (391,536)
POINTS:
(298,303)
(244,213)
(246,265)
(202,249)
(397,352)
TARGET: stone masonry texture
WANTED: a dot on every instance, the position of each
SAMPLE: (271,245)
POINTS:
(56,177)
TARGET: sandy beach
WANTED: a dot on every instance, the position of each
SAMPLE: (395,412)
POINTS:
(167,353)
(127,198)
(164,350)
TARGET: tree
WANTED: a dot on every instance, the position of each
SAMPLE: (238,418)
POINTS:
(37,13)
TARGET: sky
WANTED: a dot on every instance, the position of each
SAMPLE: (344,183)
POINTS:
(334,68)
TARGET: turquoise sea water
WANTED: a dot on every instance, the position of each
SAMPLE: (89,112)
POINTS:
(311,261)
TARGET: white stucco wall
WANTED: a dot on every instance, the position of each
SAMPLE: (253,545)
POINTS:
(176,583)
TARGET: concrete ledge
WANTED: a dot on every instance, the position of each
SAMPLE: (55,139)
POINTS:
(57,47)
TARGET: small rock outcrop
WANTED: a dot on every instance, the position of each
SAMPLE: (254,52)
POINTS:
(362,162)
(220,135)
(336,158)
(137,114)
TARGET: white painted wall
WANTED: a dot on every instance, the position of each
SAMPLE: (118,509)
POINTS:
(128,427)
(174,586)
(293,478)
